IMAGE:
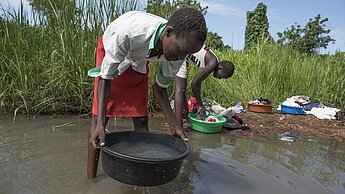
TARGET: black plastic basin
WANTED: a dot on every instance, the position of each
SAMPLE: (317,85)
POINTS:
(143,171)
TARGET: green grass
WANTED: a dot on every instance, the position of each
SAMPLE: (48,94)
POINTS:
(43,68)
(278,73)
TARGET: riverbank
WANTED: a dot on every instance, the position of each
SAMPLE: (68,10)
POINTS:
(263,125)
(260,125)
(306,125)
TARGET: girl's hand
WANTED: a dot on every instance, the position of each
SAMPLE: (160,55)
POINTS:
(179,133)
(97,138)
(202,112)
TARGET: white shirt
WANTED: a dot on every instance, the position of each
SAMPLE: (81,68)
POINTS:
(128,41)
(199,60)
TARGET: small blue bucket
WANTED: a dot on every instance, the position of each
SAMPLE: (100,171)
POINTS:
(292,110)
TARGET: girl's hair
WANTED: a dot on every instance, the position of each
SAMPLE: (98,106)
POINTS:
(188,20)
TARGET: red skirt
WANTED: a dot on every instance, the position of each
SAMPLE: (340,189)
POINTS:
(128,93)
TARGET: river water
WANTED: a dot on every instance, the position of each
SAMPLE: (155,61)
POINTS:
(48,155)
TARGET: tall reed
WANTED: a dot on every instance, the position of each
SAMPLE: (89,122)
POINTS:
(44,63)
(43,66)
(278,73)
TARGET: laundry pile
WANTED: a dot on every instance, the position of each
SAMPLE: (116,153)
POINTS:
(311,107)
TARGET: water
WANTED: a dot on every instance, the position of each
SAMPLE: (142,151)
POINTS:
(144,149)
(48,155)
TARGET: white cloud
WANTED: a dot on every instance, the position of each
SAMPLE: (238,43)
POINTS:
(217,7)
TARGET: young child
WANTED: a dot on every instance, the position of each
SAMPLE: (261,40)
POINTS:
(129,43)
(208,62)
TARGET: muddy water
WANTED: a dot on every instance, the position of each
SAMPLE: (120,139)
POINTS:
(48,155)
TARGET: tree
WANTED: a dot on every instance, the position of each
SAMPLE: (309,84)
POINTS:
(257,27)
(51,10)
(214,41)
(191,3)
(308,39)
(165,8)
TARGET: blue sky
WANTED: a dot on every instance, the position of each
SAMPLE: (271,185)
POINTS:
(228,17)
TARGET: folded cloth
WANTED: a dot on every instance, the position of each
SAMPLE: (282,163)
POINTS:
(295,101)
(217,109)
(323,113)
(299,99)
(290,103)
(233,121)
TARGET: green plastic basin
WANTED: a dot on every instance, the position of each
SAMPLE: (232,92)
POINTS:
(204,126)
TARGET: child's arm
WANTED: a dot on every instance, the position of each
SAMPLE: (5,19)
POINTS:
(103,96)
(116,47)
(180,91)
(180,98)
(163,79)
(161,96)
(211,63)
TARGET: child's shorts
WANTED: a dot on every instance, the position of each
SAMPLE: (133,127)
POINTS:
(128,93)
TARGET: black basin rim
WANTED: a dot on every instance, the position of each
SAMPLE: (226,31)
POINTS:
(112,153)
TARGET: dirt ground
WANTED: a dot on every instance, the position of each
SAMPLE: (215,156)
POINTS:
(262,124)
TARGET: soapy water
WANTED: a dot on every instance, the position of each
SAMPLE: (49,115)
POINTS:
(145,149)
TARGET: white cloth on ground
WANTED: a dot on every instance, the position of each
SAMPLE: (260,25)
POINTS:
(217,109)
(323,113)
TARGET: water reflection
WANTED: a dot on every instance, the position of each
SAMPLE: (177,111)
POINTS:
(48,155)
(321,161)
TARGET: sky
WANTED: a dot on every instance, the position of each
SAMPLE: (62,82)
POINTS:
(228,17)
